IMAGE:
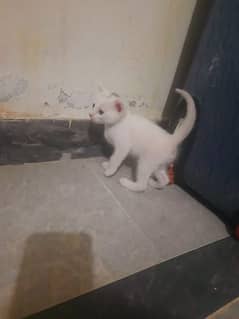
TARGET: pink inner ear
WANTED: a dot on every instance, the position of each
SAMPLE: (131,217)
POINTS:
(118,106)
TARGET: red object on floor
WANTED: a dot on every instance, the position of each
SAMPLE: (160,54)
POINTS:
(171,174)
(237,232)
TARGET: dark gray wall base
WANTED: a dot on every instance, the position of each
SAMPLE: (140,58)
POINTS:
(190,286)
(27,141)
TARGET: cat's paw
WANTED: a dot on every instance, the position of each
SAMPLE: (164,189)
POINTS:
(125,182)
(156,184)
(109,172)
(105,165)
(133,186)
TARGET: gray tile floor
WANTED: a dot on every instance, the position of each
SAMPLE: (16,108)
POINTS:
(66,229)
(229,311)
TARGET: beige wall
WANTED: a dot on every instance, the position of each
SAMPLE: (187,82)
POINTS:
(54,52)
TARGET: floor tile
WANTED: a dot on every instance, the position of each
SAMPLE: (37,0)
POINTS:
(63,234)
(171,218)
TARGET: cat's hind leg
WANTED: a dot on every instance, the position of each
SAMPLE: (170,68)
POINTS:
(144,171)
(162,177)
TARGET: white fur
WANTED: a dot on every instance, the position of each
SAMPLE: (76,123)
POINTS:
(132,134)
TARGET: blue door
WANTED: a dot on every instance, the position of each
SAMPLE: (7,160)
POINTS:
(211,168)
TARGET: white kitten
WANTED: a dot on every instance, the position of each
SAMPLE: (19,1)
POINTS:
(132,134)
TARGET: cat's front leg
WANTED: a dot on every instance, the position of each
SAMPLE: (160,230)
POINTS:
(105,164)
(116,160)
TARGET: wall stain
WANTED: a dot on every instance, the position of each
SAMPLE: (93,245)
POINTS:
(6,113)
(70,105)
(11,87)
(63,97)
(33,45)
(138,103)
(132,103)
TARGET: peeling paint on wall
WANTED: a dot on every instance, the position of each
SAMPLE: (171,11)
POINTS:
(55,62)
(63,97)
(75,100)
(58,102)
(11,87)
(132,103)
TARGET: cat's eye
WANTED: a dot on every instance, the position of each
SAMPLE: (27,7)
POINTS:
(101,112)
(93,105)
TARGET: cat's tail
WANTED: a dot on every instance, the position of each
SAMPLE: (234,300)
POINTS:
(185,127)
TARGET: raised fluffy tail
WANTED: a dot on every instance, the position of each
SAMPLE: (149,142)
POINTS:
(187,124)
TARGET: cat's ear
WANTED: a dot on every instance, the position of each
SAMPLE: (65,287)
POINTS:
(118,105)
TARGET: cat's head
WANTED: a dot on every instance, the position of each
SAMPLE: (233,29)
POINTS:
(107,108)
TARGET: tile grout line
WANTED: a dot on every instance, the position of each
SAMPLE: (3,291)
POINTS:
(108,190)
(138,226)
(145,235)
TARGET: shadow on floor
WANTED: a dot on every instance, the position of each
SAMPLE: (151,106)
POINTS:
(55,267)
(190,286)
